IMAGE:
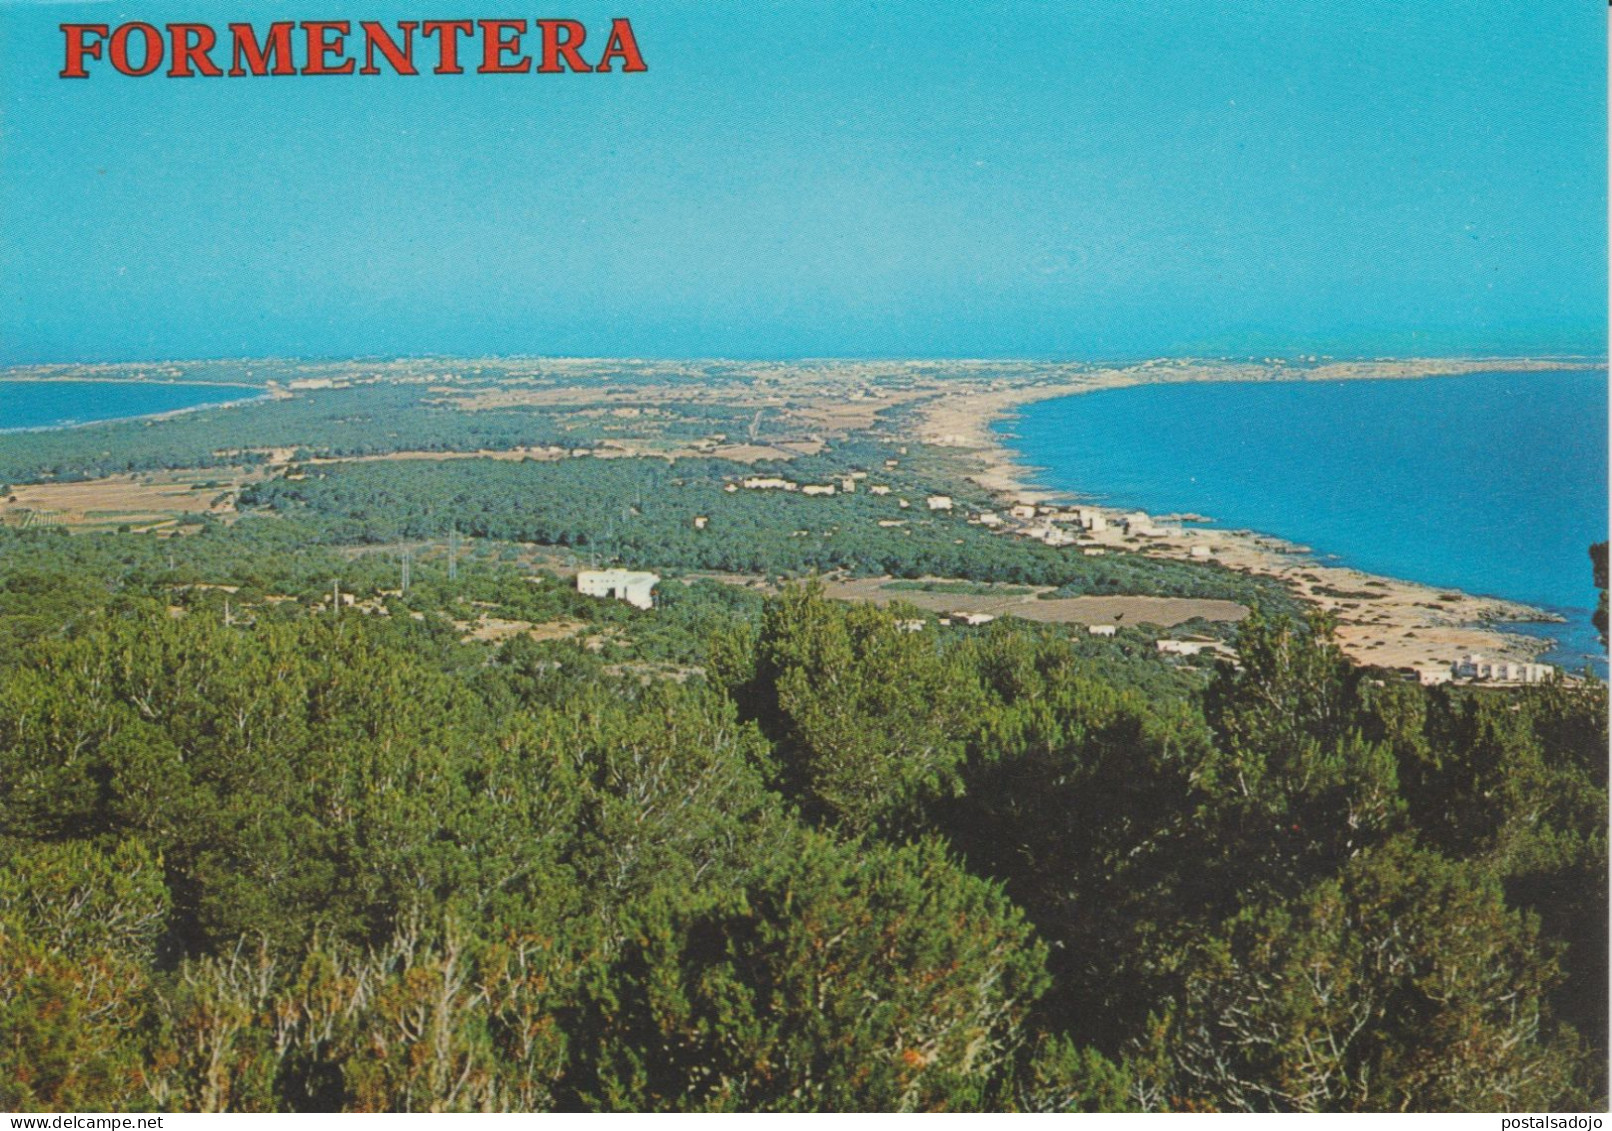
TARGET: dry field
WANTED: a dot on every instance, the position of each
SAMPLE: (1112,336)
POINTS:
(496,630)
(1164,612)
(154,499)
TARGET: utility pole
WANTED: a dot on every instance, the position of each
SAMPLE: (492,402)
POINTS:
(335,597)
(228,620)
(453,553)
(407,554)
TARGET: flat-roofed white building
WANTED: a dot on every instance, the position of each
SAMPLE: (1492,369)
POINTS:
(637,589)
(1474,666)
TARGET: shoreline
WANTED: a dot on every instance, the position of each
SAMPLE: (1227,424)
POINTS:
(259,394)
(1379,620)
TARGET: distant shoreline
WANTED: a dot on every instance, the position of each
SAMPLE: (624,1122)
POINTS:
(258,393)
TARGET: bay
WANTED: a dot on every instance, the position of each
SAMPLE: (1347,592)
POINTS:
(28,405)
(1493,483)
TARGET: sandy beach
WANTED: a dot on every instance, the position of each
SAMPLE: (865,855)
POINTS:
(1379,620)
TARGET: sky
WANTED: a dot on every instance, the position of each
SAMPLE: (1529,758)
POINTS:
(1089,180)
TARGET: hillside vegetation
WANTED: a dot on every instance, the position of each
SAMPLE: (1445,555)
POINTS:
(285,856)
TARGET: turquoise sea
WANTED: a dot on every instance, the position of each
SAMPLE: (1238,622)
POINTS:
(1493,483)
(57,404)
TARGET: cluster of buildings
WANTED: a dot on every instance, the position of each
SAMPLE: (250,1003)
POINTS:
(1093,530)
(846,483)
(1055,526)
(973,620)
(1475,667)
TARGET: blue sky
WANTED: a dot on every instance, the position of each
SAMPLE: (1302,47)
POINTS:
(812,179)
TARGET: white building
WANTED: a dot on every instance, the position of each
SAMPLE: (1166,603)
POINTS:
(1474,666)
(817,489)
(1051,535)
(1022,510)
(1100,629)
(768,483)
(622,584)
(940,502)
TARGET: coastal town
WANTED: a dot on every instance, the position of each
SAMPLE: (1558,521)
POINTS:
(1095,531)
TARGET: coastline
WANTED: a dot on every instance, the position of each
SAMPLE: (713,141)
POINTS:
(1384,621)
(258,394)
(1381,620)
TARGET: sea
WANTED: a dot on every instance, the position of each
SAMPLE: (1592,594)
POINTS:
(29,405)
(1493,483)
